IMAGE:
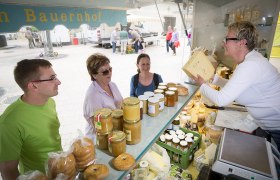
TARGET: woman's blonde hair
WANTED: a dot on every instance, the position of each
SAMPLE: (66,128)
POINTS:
(94,62)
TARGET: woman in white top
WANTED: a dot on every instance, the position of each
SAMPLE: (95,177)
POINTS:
(255,82)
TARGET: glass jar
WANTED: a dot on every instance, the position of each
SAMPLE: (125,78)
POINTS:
(162,138)
(102,141)
(163,88)
(117,143)
(176,158)
(170,84)
(190,135)
(102,120)
(168,139)
(181,137)
(176,124)
(169,99)
(153,106)
(161,101)
(131,109)
(174,89)
(145,165)
(175,142)
(144,99)
(117,117)
(132,130)
(183,145)
(149,93)
(189,141)
(158,91)
(162,84)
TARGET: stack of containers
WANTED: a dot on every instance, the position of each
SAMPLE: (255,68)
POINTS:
(131,120)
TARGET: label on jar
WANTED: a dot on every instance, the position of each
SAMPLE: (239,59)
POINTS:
(98,122)
(128,135)
(151,109)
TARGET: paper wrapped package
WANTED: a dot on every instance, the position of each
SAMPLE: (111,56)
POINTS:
(199,64)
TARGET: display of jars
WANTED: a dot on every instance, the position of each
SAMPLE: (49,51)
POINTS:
(102,140)
(161,101)
(102,120)
(169,99)
(117,118)
(153,106)
(144,99)
(132,130)
(117,143)
(175,90)
(131,109)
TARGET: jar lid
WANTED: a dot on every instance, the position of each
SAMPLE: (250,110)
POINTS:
(169,92)
(143,97)
(131,101)
(162,138)
(171,84)
(183,143)
(177,119)
(103,113)
(179,132)
(168,137)
(162,87)
(117,113)
(158,91)
(175,140)
(184,117)
(149,93)
(173,89)
(189,135)
(188,139)
(153,99)
(143,164)
(172,132)
(162,84)
(116,136)
(160,96)
(181,136)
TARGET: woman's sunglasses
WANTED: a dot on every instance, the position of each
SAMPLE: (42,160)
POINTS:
(106,72)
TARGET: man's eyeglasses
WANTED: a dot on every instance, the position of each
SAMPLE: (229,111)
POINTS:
(106,72)
(52,78)
(226,39)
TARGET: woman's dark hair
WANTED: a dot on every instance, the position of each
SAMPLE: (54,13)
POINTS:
(143,55)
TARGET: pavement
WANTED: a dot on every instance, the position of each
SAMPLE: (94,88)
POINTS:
(70,67)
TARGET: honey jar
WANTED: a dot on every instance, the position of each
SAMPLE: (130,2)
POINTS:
(132,130)
(161,101)
(158,91)
(117,118)
(102,120)
(163,88)
(102,141)
(169,99)
(189,141)
(174,89)
(162,84)
(153,106)
(117,143)
(175,142)
(144,99)
(149,94)
(183,145)
(176,124)
(131,109)
(168,139)
(170,84)
(162,138)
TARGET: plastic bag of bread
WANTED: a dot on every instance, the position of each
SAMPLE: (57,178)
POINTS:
(61,164)
(84,152)
(33,175)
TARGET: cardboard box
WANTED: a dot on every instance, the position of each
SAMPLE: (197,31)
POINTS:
(199,64)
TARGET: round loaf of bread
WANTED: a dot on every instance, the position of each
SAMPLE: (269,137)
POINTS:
(123,162)
(96,171)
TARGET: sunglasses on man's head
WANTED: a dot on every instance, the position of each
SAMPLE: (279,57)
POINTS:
(106,72)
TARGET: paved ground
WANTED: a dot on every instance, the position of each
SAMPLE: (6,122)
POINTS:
(71,70)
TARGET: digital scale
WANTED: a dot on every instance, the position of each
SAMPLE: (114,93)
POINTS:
(246,156)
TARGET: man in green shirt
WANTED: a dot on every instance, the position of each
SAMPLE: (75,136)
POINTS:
(29,128)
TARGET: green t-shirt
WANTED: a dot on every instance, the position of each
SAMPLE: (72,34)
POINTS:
(28,133)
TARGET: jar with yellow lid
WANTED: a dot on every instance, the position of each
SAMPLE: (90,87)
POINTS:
(174,89)
(153,106)
(164,88)
(161,101)
(117,118)
(131,109)
(158,91)
(102,140)
(144,99)
(117,143)
(102,120)
(132,130)
(149,93)
(169,99)
(171,84)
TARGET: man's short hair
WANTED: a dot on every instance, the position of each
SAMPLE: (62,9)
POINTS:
(28,70)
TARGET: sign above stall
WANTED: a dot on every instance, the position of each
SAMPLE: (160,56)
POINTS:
(13,17)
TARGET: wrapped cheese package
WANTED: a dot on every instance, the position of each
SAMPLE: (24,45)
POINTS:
(200,64)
